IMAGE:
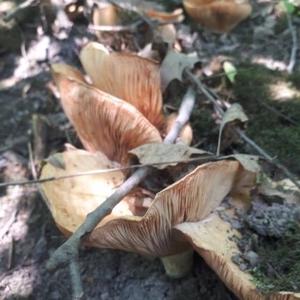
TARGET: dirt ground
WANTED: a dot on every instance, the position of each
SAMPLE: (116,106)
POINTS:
(28,234)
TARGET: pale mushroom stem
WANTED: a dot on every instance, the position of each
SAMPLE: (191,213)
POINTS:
(178,265)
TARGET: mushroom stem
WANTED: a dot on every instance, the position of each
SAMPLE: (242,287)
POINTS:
(178,265)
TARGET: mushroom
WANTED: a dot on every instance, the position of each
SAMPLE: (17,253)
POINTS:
(126,76)
(103,122)
(108,128)
(218,15)
(212,239)
(190,199)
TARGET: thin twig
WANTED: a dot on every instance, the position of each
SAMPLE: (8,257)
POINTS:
(242,135)
(68,252)
(76,280)
(294,49)
(11,254)
(103,171)
(115,28)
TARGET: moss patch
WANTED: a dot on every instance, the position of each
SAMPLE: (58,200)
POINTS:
(274,133)
(279,268)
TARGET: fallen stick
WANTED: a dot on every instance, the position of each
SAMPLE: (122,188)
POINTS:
(241,134)
(102,171)
(294,49)
(68,252)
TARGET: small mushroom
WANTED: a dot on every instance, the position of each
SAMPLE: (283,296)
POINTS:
(218,15)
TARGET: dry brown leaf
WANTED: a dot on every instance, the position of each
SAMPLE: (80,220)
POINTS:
(171,154)
(211,238)
(218,16)
(234,113)
(126,76)
(173,66)
(103,122)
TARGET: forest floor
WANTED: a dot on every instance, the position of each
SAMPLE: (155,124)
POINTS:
(260,50)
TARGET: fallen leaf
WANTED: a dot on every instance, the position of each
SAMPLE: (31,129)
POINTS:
(230,71)
(56,160)
(171,154)
(234,113)
(173,66)
(249,162)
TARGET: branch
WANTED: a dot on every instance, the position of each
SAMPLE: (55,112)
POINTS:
(68,252)
(242,135)
(295,43)
(102,171)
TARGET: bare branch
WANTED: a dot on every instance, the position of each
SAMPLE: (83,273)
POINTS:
(294,49)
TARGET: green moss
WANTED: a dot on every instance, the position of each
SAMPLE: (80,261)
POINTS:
(295,79)
(272,132)
(279,268)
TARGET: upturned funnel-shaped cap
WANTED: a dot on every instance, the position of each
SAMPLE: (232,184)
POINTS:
(126,76)
(190,199)
(103,122)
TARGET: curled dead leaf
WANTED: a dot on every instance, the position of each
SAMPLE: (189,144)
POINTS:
(170,154)
(218,16)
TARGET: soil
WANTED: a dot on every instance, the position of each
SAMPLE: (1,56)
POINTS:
(28,234)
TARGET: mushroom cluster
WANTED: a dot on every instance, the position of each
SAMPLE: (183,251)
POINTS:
(121,110)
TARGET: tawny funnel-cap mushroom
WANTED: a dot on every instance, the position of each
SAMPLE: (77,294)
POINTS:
(126,76)
(218,15)
(103,122)
(190,199)
(212,239)
(109,127)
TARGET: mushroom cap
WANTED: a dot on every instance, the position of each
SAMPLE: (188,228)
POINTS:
(71,199)
(103,122)
(218,15)
(188,200)
(126,76)
(212,239)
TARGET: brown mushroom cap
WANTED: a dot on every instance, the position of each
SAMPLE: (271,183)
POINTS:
(103,122)
(211,238)
(126,76)
(188,200)
(71,199)
(218,15)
